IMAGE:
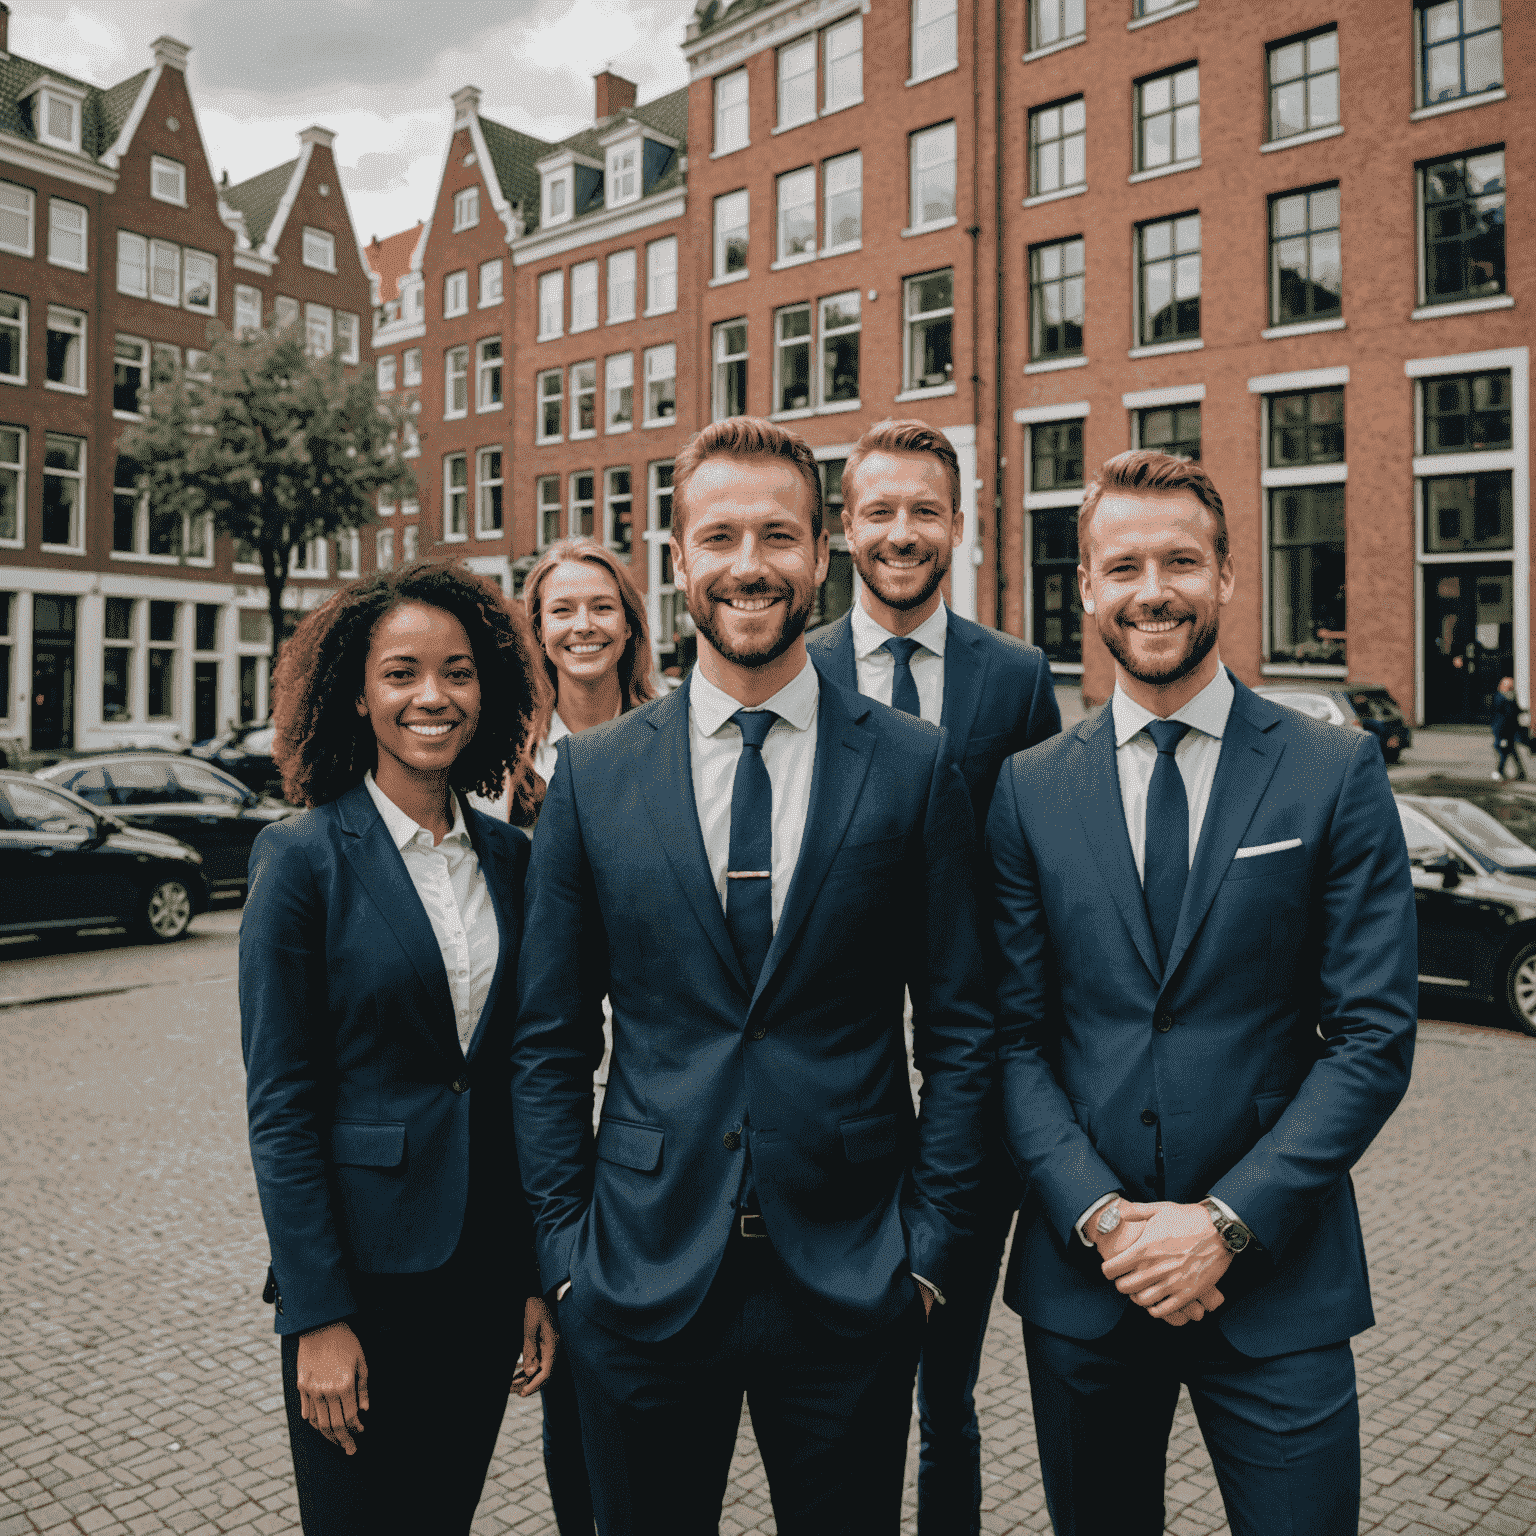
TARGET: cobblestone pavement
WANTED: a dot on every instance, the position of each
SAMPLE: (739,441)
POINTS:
(138,1374)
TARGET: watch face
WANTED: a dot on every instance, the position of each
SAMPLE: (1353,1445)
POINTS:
(1109,1218)
(1236,1238)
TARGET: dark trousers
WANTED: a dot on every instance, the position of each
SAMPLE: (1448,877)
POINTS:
(949,1457)
(1507,747)
(565,1466)
(441,1348)
(1283,1433)
(830,1413)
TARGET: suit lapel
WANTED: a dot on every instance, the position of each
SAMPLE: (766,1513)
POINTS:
(499,866)
(1249,757)
(965,679)
(372,854)
(1102,813)
(836,652)
(843,751)
(668,786)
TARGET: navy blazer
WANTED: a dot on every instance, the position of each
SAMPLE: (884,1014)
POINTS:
(809,1059)
(999,697)
(1265,1056)
(358,1094)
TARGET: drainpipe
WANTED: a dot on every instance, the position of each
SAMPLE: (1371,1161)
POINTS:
(997,360)
(974,231)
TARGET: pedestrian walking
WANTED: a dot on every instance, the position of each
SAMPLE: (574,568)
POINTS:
(1506,727)
(378,970)
(1205,927)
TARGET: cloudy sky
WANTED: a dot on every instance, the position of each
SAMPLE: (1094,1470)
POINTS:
(377,72)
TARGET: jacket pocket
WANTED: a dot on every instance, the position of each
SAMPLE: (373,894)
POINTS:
(368,1144)
(868,1137)
(629,1144)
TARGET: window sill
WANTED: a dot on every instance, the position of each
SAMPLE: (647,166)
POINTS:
(126,416)
(10,378)
(1165,170)
(1301,328)
(798,414)
(1041,198)
(1173,10)
(61,549)
(618,319)
(1164,348)
(455,415)
(1066,669)
(454,314)
(577,330)
(937,74)
(660,421)
(846,106)
(790,127)
(582,436)
(652,314)
(928,229)
(931,392)
(729,278)
(1056,364)
(488,410)
(735,149)
(837,407)
(68,266)
(454,538)
(484,535)
(846,249)
(548,442)
(1050,48)
(1293,140)
(618,428)
(791,261)
(488,303)
(1300,669)
(1439,311)
(155,298)
(63,389)
(542,336)
(1440,108)
(1303,474)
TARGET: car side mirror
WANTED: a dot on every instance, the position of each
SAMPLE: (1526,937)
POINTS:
(1448,867)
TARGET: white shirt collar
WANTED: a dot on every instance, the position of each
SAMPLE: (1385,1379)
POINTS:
(870,634)
(1207,712)
(795,702)
(558,729)
(400,826)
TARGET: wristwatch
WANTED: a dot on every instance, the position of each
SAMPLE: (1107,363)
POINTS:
(1230,1230)
(1108,1219)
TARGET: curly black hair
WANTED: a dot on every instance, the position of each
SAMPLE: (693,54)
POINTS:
(323,747)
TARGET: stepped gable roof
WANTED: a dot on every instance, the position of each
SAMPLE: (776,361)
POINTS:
(710,15)
(258,199)
(102,114)
(513,158)
(390,259)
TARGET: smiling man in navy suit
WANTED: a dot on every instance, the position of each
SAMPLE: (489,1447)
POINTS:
(1206,1012)
(993,695)
(754,869)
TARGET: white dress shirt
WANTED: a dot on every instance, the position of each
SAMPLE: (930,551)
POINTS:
(875,668)
(1196,756)
(452,888)
(789,755)
(544,756)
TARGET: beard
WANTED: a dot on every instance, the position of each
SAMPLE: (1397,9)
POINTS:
(871,572)
(1202,641)
(793,626)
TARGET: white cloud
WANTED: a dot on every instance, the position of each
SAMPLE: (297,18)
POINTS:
(582,41)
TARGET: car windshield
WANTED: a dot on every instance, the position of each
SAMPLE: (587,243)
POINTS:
(1507,841)
(1374,706)
(1313,704)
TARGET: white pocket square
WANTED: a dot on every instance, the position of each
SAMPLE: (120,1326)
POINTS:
(1259,848)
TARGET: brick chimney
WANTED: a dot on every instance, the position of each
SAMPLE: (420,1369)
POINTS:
(613,93)
(5,29)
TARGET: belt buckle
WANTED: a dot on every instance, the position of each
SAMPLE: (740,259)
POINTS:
(751,1224)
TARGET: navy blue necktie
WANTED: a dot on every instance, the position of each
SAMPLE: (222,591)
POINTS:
(749,865)
(1166,859)
(903,689)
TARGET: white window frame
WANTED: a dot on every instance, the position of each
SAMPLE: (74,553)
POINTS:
(720,360)
(348,331)
(385,370)
(551,304)
(410,538)
(456,294)
(617,172)
(410,368)
(727,200)
(247,308)
(143,365)
(837,168)
(212,306)
(486,483)
(450,491)
(837,31)
(618,376)
(455,374)
(384,549)
(66,327)
(574,431)
(319,249)
(18,467)
(584,288)
(492,281)
(348,553)
(20,321)
(126,239)
(916,144)
(543,506)
(621,308)
(576,504)
(658,279)
(792,55)
(1139,122)
(543,393)
(320,320)
(782,345)
(794,192)
(912,382)
(562,181)
(286,312)
(611,498)
(727,139)
(60,210)
(938,9)
(823,333)
(21,202)
(158,251)
(488,373)
(466,208)
(173,188)
(77,531)
(660,366)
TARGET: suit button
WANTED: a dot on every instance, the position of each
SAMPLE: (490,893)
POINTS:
(459,1085)
(1148,1118)
(1163,1023)
(759,1033)
(732,1140)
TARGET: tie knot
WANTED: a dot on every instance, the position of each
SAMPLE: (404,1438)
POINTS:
(1166,734)
(902,650)
(754,725)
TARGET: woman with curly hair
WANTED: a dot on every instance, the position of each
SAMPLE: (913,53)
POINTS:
(378,955)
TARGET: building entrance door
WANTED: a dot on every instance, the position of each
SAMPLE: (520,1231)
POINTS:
(53,673)
(1469,639)
(205,700)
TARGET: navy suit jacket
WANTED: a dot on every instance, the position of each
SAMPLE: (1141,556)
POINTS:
(998,696)
(1267,1053)
(809,1058)
(359,1097)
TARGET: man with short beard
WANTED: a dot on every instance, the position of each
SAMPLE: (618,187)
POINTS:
(993,695)
(754,869)
(1206,1012)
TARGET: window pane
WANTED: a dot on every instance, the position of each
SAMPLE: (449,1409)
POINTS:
(1307,608)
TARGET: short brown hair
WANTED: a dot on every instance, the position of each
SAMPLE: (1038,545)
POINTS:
(1144,469)
(744,437)
(323,747)
(910,436)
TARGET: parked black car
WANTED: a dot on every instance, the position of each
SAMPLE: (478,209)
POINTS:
(186,799)
(1473,850)
(245,752)
(1365,705)
(66,865)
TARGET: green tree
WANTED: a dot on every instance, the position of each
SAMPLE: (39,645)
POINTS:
(272,443)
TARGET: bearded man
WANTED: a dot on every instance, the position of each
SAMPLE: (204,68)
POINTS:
(1206,1012)
(754,869)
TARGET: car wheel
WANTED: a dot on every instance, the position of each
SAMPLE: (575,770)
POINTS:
(1392,753)
(167,912)
(1520,989)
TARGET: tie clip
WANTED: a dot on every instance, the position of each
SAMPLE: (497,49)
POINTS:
(749,874)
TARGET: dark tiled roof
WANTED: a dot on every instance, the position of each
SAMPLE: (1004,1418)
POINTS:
(513,157)
(258,198)
(102,115)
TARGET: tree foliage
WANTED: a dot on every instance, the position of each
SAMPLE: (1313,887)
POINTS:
(272,443)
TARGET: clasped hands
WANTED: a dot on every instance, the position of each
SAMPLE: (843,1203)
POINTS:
(1167,1258)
